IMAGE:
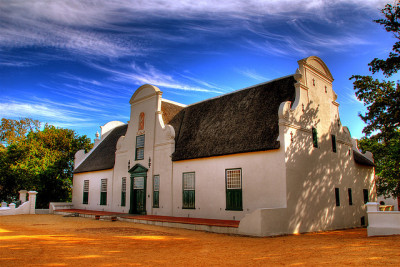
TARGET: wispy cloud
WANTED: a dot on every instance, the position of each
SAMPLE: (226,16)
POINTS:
(99,28)
(301,39)
(203,83)
(350,98)
(41,111)
(140,75)
(68,115)
(253,75)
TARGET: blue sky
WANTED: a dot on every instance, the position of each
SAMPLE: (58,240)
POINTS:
(75,64)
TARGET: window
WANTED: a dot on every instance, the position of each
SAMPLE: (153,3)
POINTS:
(85,192)
(350,196)
(366,196)
(337,197)
(315,137)
(333,143)
(188,184)
(123,192)
(103,192)
(233,178)
(139,147)
(156,191)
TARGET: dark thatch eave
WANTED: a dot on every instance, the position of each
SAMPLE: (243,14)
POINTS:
(169,110)
(361,159)
(243,121)
(103,157)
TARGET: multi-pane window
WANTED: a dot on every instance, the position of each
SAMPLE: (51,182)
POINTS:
(123,192)
(366,196)
(315,137)
(188,184)
(103,192)
(156,191)
(233,189)
(85,192)
(333,143)
(350,196)
(139,147)
(337,197)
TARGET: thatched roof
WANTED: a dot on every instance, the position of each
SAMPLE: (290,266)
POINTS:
(242,121)
(103,156)
(361,159)
(169,110)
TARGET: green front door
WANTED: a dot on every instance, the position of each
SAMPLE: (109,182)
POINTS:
(138,189)
(139,195)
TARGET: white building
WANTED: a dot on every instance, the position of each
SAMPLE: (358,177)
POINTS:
(274,156)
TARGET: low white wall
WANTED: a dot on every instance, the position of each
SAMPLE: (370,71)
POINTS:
(59,206)
(264,222)
(8,210)
(11,210)
(27,207)
(382,222)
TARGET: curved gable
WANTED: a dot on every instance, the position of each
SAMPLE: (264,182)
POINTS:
(143,92)
(316,64)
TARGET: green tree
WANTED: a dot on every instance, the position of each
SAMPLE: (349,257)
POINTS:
(41,160)
(382,100)
(16,130)
(387,158)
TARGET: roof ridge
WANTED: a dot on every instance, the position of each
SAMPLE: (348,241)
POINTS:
(242,89)
(102,140)
(173,102)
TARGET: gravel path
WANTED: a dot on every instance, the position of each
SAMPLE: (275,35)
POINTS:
(54,240)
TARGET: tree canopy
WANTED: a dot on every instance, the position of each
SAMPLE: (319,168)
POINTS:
(35,159)
(382,100)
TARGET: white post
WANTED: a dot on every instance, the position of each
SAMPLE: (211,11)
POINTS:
(22,196)
(372,206)
(32,201)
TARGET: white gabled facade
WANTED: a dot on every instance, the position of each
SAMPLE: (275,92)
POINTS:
(291,189)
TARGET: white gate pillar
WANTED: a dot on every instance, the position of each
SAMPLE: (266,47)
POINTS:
(32,201)
(22,195)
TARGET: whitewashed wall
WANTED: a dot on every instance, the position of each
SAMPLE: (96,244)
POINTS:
(263,184)
(94,190)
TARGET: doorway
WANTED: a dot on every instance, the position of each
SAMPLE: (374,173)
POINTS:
(138,189)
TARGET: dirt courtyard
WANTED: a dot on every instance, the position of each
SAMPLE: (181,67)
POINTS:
(54,240)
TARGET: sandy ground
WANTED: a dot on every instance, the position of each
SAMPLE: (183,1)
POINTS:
(54,240)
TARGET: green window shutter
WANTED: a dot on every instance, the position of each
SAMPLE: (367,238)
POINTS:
(188,199)
(139,147)
(85,198)
(315,137)
(156,191)
(103,192)
(123,192)
(234,199)
(123,199)
(85,192)
(156,199)
(350,196)
(188,194)
(365,195)
(333,143)
(103,198)
(233,178)
(337,197)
